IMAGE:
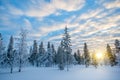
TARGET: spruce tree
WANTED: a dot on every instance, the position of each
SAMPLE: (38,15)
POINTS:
(33,57)
(110,55)
(86,55)
(66,46)
(41,54)
(10,54)
(2,52)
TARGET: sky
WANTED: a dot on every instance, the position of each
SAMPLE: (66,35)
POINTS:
(96,22)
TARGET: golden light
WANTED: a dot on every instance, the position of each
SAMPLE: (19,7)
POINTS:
(99,55)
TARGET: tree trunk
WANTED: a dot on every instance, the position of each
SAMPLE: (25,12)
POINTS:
(20,65)
(11,70)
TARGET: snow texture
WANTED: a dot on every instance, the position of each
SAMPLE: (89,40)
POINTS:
(52,73)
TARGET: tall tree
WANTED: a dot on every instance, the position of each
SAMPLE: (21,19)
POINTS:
(110,55)
(33,57)
(117,50)
(66,46)
(22,50)
(49,56)
(54,54)
(2,51)
(41,54)
(60,57)
(86,55)
(10,55)
(117,46)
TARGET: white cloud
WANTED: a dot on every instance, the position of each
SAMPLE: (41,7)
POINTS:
(40,8)
(112,4)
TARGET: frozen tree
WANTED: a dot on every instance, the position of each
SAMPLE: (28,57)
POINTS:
(110,55)
(22,48)
(60,57)
(117,50)
(41,54)
(66,46)
(54,54)
(77,57)
(86,55)
(49,56)
(33,57)
(2,51)
(10,54)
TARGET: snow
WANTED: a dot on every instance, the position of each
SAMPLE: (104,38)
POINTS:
(52,73)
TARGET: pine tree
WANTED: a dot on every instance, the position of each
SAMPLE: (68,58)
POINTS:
(86,55)
(117,51)
(33,57)
(10,55)
(78,57)
(60,57)
(41,54)
(54,54)
(2,52)
(66,46)
(49,56)
(110,55)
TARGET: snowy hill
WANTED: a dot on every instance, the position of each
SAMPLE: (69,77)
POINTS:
(52,73)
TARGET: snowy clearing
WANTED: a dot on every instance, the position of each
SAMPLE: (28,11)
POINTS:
(52,73)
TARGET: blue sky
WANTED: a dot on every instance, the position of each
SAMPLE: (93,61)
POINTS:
(96,22)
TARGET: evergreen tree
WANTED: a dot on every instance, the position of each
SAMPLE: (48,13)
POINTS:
(78,57)
(60,57)
(66,46)
(2,52)
(10,54)
(110,55)
(117,51)
(54,54)
(41,54)
(49,56)
(33,56)
(86,55)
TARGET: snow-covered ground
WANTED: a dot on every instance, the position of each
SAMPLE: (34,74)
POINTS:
(52,73)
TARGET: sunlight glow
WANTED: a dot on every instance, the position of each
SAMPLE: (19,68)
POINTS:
(99,55)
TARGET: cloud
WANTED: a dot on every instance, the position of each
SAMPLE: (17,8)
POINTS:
(112,4)
(41,8)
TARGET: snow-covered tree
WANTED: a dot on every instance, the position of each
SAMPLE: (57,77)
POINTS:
(66,48)
(2,51)
(117,51)
(10,54)
(60,57)
(86,55)
(110,55)
(78,57)
(54,54)
(22,48)
(49,56)
(41,54)
(33,57)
